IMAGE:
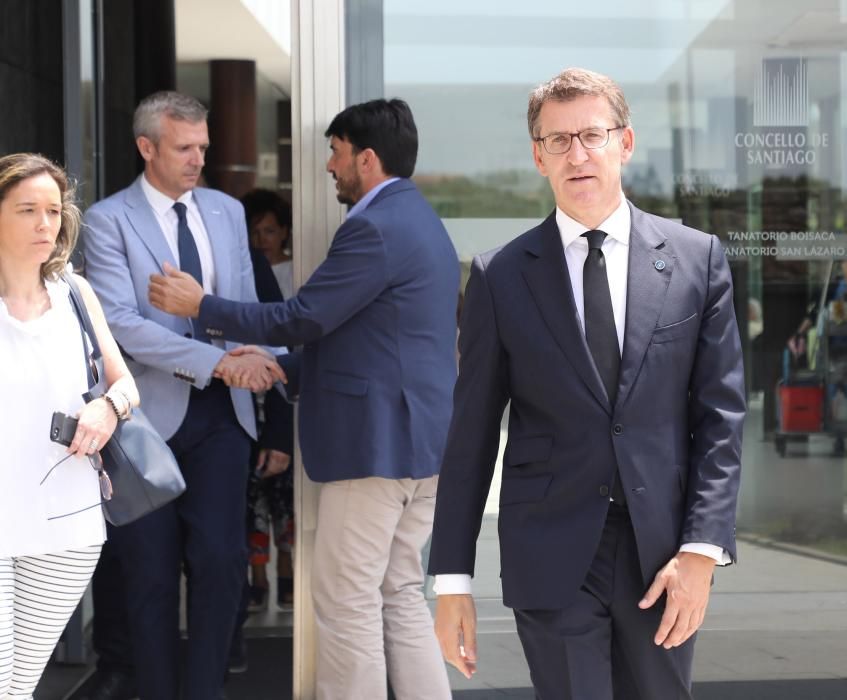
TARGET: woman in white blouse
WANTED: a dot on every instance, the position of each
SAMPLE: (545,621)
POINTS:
(51,523)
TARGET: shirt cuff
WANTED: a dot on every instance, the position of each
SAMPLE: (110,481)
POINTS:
(452,584)
(719,554)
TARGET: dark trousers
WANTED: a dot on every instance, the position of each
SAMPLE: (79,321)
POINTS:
(109,627)
(204,532)
(601,647)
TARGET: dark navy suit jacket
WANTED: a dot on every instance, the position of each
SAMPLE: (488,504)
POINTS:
(674,431)
(378,323)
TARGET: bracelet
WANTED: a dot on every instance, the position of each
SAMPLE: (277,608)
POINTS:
(111,402)
(127,402)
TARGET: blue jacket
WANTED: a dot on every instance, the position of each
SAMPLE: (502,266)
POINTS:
(673,432)
(377,321)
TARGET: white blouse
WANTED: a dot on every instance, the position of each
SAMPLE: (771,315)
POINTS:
(284,273)
(42,370)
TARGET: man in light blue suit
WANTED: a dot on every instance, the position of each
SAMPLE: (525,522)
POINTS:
(182,375)
(377,321)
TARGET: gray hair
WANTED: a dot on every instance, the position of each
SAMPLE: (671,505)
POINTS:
(147,119)
(577,82)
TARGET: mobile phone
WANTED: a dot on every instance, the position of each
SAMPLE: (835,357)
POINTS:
(62,428)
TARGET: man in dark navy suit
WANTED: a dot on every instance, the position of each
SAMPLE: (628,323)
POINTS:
(377,321)
(612,333)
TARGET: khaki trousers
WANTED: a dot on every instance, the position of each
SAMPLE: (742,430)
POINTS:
(367,581)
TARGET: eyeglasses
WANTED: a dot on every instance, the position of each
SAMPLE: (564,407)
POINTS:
(96,462)
(558,143)
(102,475)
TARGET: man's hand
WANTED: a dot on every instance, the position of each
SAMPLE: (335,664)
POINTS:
(455,627)
(271,463)
(242,350)
(687,581)
(175,292)
(253,371)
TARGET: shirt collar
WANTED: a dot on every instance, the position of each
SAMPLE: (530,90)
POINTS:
(616,225)
(160,202)
(369,197)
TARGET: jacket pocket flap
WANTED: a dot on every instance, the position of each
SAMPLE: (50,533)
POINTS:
(663,334)
(345,383)
(524,489)
(528,449)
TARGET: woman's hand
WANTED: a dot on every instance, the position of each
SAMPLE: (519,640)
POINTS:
(97,422)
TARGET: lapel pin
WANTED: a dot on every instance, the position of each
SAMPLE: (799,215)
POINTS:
(659,265)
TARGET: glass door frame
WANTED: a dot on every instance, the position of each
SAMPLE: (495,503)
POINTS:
(317,95)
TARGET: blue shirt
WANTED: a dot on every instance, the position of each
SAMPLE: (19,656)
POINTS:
(368,198)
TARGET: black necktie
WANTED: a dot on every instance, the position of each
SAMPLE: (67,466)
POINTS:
(189,258)
(600,331)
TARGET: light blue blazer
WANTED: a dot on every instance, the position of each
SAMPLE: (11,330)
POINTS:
(123,245)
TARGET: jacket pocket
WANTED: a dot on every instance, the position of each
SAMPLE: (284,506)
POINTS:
(344,383)
(664,334)
(525,450)
(524,489)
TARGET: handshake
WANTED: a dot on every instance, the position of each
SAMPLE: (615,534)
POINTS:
(249,367)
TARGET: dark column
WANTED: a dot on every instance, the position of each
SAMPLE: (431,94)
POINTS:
(31,78)
(231,165)
(155,47)
(119,95)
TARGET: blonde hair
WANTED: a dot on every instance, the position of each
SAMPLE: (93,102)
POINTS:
(577,82)
(16,168)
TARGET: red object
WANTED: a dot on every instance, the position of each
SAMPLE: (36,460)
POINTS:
(800,409)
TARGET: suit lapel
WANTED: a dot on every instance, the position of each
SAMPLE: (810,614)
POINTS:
(145,224)
(219,236)
(647,286)
(546,274)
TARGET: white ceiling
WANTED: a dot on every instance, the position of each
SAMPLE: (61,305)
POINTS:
(256,30)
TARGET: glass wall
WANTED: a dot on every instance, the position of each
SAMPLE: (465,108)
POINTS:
(740,115)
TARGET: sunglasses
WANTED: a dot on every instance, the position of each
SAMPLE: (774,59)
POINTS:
(105,482)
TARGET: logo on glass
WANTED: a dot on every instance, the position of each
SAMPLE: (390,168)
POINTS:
(781,93)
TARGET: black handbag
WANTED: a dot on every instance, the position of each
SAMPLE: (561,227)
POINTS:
(143,470)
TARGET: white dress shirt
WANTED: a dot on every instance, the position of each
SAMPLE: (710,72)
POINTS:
(616,251)
(163,208)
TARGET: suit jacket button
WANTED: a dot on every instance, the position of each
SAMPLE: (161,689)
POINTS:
(604,490)
(618,429)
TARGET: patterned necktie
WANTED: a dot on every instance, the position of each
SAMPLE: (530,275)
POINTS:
(189,258)
(600,330)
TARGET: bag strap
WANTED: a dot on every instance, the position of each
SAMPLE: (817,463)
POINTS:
(85,328)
